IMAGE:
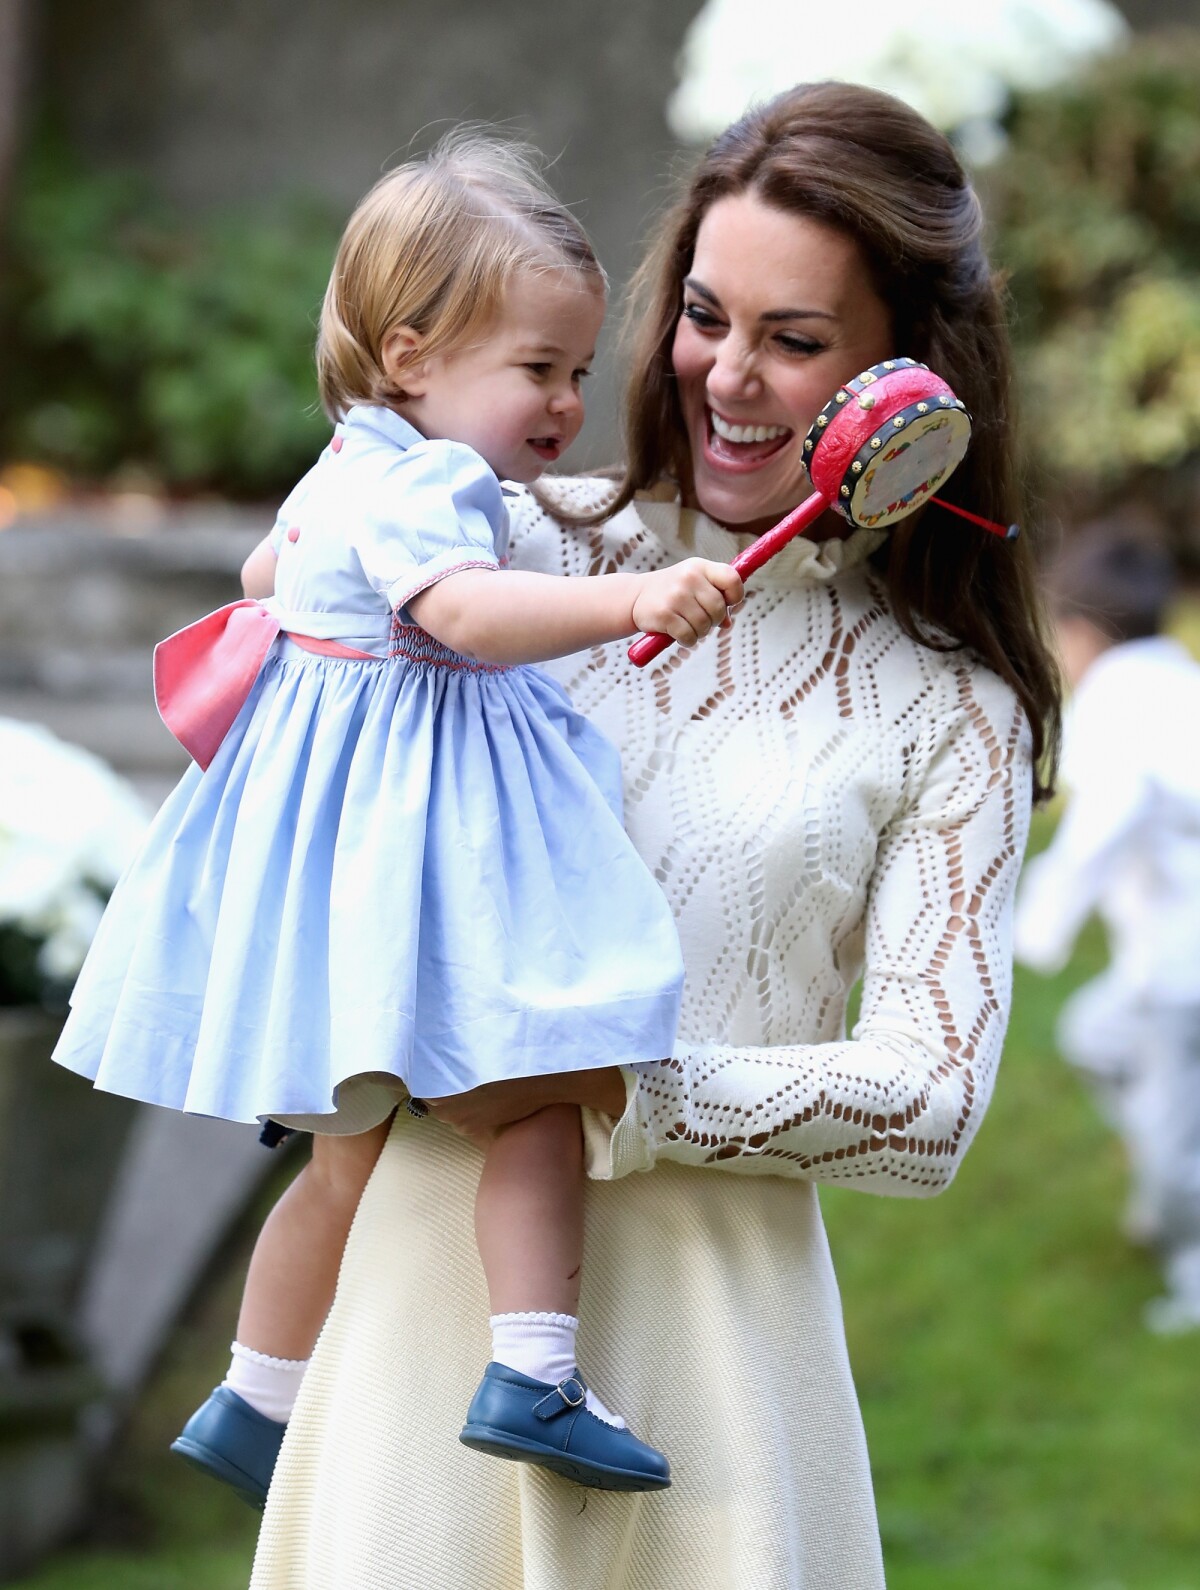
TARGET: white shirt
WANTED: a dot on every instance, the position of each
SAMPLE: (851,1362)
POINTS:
(1128,845)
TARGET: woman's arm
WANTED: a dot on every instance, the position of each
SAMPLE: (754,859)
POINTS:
(504,617)
(894,1108)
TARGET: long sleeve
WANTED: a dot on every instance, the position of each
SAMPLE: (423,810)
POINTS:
(894,1108)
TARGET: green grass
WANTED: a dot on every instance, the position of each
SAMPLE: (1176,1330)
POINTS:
(1026,1431)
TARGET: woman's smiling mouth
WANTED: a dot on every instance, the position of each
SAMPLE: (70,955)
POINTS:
(730,445)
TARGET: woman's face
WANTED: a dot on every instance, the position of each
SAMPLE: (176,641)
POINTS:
(778,311)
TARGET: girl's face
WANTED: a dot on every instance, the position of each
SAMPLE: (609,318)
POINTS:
(515,395)
(778,311)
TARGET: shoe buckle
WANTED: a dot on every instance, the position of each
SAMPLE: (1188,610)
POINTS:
(572,1402)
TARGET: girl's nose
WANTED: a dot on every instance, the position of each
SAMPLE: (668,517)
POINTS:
(567,401)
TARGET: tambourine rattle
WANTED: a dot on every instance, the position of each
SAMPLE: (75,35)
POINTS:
(876,452)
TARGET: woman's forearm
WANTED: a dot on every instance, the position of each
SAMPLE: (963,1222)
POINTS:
(879,1112)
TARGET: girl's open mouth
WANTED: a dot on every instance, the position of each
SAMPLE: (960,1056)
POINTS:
(547,447)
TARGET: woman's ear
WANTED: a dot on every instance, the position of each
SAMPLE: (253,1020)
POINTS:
(402,363)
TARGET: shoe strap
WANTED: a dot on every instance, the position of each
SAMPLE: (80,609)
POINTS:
(568,1396)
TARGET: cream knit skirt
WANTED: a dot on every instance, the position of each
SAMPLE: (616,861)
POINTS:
(710,1319)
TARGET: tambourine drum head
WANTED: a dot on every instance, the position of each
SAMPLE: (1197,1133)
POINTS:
(886,441)
(908,468)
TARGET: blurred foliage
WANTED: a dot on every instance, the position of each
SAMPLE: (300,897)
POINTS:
(132,336)
(1096,210)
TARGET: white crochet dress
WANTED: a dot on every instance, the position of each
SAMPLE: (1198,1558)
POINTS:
(813,790)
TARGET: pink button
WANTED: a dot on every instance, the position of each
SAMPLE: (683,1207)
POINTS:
(336,444)
(294,533)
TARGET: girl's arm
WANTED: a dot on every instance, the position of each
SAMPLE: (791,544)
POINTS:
(505,617)
(258,571)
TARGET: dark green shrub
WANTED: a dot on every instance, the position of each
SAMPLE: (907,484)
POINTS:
(134,336)
(1096,210)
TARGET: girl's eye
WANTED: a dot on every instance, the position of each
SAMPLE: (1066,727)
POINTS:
(539,370)
(701,317)
(579,375)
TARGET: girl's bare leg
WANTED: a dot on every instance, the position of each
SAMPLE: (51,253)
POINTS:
(529,1227)
(294,1268)
(529,1214)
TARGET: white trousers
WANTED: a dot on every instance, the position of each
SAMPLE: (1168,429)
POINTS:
(1141,1058)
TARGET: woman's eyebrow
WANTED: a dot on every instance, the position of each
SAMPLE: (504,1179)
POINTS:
(769,315)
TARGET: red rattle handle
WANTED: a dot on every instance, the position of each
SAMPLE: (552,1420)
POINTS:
(749,559)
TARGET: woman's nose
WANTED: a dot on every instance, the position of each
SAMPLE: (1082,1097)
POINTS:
(734,372)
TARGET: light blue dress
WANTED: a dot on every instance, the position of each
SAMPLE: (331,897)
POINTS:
(408,870)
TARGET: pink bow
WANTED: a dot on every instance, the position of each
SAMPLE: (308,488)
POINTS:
(203,674)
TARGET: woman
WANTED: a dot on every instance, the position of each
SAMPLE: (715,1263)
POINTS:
(840,782)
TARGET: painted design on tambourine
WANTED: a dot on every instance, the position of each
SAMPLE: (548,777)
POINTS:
(890,485)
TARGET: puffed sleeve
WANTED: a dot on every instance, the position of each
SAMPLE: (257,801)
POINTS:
(894,1107)
(437,510)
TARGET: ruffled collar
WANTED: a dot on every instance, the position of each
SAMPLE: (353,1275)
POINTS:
(801,562)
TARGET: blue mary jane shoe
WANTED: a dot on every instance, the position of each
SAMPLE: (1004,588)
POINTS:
(233,1442)
(532,1421)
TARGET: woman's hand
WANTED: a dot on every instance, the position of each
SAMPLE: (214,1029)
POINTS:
(687,599)
(484,1111)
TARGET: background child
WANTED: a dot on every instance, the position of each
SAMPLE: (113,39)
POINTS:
(401,864)
(1128,847)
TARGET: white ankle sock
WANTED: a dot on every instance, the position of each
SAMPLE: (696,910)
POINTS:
(269,1385)
(542,1346)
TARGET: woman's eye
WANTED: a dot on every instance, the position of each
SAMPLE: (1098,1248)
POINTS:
(791,343)
(699,316)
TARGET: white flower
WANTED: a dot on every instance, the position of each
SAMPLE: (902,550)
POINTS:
(955,61)
(68,826)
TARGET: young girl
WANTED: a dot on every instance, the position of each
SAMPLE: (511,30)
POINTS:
(400,865)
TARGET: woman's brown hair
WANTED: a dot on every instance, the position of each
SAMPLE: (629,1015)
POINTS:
(869,165)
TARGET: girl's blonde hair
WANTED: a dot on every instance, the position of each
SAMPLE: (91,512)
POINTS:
(434,245)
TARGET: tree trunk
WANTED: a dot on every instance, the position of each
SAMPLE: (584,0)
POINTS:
(14,72)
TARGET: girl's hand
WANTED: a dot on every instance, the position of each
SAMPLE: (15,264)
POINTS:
(484,1111)
(686,600)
